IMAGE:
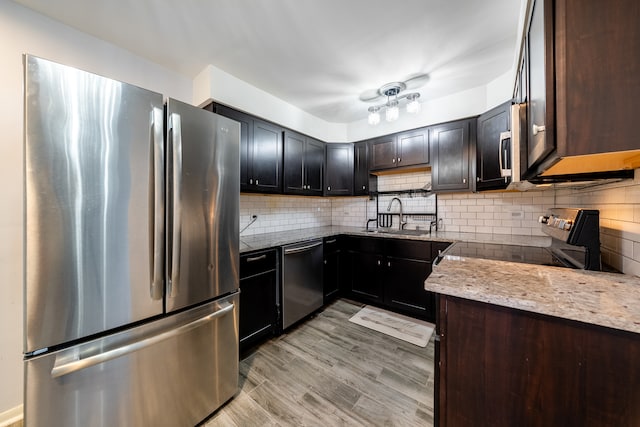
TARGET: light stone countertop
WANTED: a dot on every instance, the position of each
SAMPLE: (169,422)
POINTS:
(606,299)
(271,240)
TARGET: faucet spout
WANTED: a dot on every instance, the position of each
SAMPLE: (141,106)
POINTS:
(402,223)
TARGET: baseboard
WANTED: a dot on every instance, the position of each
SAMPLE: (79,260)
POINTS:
(13,417)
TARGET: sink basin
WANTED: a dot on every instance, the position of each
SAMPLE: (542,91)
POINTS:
(398,232)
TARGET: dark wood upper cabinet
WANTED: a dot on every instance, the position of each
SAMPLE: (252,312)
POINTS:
(266,157)
(580,75)
(260,152)
(412,147)
(314,166)
(453,147)
(540,113)
(409,148)
(382,152)
(488,145)
(361,177)
(303,164)
(339,170)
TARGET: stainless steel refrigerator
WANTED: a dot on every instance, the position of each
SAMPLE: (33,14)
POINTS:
(131,254)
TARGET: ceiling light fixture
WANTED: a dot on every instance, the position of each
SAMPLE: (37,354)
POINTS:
(392,112)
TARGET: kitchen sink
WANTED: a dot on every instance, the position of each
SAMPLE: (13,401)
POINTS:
(398,232)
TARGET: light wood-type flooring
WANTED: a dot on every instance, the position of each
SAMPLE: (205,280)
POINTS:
(330,372)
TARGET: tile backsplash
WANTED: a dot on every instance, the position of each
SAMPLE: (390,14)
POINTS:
(514,213)
(619,206)
(280,213)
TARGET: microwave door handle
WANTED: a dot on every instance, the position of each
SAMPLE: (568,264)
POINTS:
(504,154)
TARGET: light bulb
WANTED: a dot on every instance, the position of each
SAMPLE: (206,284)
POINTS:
(413,106)
(392,112)
(374,116)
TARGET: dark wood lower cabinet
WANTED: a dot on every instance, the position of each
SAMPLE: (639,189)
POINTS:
(404,286)
(366,285)
(497,366)
(258,305)
(391,273)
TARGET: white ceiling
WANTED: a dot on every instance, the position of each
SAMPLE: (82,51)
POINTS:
(319,55)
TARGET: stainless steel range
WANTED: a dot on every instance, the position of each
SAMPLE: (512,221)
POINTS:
(575,243)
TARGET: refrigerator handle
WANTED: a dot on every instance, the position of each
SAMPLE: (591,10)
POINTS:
(175,132)
(157,273)
(63,366)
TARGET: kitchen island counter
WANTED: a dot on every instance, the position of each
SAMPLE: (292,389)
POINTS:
(605,299)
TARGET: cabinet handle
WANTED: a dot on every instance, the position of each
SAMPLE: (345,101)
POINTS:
(328,188)
(363,187)
(325,262)
(464,180)
(256,182)
(378,262)
(331,241)
(389,264)
(251,181)
(257,258)
(399,160)
(393,160)
(537,129)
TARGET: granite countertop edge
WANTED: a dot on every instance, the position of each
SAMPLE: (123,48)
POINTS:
(611,300)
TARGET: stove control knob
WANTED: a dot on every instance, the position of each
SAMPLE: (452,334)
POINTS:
(560,224)
(568,224)
(542,219)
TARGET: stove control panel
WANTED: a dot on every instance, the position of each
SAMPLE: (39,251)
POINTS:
(556,222)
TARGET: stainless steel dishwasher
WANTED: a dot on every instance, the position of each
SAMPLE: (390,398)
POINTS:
(301,280)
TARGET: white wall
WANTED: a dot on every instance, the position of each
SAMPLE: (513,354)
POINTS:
(23,31)
(215,84)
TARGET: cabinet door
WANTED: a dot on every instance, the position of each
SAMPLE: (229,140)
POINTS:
(413,148)
(361,169)
(339,170)
(404,287)
(382,152)
(489,127)
(258,283)
(314,166)
(366,278)
(540,109)
(451,145)
(246,138)
(331,271)
(257,307)
(294,151)
(266,157)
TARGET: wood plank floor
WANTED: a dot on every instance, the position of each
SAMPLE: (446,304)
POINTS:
(330,372)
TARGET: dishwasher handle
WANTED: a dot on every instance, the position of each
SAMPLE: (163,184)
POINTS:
(298,249)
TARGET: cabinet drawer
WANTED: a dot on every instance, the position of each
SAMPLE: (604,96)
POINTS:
(257,262)
(410,249)
(366,244)
(331,244)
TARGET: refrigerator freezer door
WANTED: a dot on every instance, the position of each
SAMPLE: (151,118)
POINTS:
(93,149)
(203,201)
(171,372)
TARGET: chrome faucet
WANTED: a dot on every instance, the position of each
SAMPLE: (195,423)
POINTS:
(402,223)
